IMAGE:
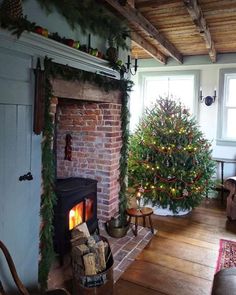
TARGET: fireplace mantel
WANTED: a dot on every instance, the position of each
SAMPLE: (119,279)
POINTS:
(39,46)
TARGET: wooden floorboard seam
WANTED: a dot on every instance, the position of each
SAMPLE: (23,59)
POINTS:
(181,258)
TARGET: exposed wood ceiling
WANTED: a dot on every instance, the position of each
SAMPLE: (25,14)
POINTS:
(178,28)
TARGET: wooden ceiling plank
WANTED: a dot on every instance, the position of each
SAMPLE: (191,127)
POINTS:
(136,18)
(201,25)
(149,48)
(155,3)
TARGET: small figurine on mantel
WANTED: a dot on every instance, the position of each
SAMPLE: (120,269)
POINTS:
(68,147)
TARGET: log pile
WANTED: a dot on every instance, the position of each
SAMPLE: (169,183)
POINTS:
(89,253)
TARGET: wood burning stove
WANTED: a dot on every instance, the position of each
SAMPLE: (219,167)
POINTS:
(76,203)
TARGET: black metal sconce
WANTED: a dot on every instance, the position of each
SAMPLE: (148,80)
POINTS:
(208,99)
(130,68)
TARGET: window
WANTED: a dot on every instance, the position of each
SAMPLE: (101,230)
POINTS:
(181,86)
(227,106)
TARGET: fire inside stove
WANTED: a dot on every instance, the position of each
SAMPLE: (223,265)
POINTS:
(76,203)
(80,213)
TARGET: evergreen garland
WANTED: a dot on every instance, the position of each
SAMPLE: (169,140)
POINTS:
(48,197)
(18,25)
(90,16)
(124,154)
(48,175)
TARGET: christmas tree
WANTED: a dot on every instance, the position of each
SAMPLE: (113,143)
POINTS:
(170,160)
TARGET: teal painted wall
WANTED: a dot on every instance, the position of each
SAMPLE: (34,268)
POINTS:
(20,149)
(20,153)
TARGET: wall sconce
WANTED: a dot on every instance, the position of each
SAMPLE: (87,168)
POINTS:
(208,99)
(129,66)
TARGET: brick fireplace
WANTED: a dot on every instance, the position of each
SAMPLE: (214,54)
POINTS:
(91,117)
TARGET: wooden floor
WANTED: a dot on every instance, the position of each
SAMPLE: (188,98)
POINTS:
(181,258)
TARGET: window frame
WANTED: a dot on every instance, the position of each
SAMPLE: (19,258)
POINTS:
(144,76)
(224,75)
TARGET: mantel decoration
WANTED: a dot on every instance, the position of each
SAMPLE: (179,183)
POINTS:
(84,14)
(53,70)
(170,161)
(90,16)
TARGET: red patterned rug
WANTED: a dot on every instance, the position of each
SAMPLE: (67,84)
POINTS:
(227,254)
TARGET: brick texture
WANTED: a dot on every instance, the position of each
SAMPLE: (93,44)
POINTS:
(95,128)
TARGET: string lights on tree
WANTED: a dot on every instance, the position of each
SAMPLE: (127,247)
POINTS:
(169,158)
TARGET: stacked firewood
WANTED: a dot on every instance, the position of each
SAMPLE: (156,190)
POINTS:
(89,253)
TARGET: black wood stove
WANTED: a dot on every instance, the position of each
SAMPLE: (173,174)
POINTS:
(76,203)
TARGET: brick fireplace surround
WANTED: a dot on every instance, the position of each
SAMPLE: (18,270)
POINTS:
(92,117)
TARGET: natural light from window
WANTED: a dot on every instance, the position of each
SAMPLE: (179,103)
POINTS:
(229,113)
(179,88)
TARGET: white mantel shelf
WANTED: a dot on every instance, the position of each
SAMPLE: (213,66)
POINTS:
(39,46)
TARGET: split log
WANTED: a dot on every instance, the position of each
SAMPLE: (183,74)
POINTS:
(77,261)
(79,232)
(81,250)
(82,228)
(79,240)
(78,265)
(93,249)
(76,233)
(91,244)
(106,248)
(101,255)
(90,264)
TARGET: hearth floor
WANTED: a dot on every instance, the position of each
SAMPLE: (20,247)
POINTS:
(124,251)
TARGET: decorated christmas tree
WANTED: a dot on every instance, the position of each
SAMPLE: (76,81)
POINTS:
(170,161)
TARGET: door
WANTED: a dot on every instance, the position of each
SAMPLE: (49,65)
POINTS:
(19,155)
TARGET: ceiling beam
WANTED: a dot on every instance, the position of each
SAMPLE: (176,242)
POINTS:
(149,48)
(201,25)
(155,3)
(136,18)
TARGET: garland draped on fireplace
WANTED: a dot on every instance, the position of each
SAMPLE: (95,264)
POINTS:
(48,198)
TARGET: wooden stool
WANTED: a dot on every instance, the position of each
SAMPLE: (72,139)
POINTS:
(142,212)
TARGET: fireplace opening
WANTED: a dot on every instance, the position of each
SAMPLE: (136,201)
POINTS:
(76,215)
(76,203)
(81,212)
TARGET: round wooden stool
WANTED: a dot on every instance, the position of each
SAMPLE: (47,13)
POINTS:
(142,212)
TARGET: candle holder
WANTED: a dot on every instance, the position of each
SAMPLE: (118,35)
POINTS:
(129,68)
(209,100)
(138,200)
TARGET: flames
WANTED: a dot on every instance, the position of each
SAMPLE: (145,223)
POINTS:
(76,214)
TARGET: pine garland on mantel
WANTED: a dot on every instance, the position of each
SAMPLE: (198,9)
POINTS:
(48,199)
(90,16)
(18,25)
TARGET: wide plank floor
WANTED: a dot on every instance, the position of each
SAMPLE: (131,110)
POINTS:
(181,258)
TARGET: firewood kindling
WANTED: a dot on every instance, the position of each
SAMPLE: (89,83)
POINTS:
(89,253)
